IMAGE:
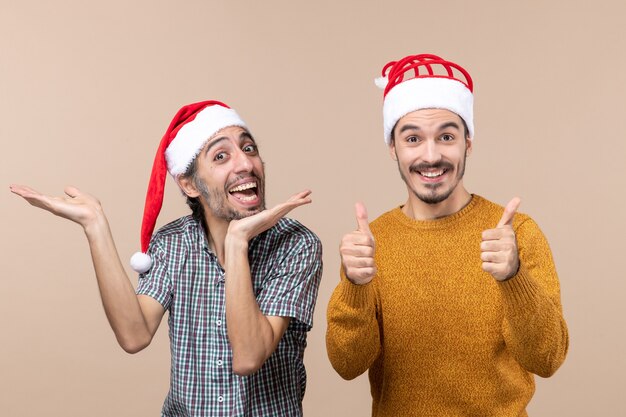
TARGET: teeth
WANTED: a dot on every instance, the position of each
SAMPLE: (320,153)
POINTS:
(249,198)
(242,187)
(432,174)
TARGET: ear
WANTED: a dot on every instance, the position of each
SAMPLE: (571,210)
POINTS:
(392,150)
(468,146)
(186,184)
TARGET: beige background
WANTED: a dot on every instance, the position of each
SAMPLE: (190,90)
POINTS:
(87,89)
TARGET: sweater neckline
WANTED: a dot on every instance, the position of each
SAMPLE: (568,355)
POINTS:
(441,222)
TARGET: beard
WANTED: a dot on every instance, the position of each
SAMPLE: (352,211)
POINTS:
(433,195)
(217,200)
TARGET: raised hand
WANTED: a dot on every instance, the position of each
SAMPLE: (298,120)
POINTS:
(499,246)
(357,250)
(78,207)
(249,227)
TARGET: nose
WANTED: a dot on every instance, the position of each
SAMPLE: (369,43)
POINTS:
(243,162)
(431,153)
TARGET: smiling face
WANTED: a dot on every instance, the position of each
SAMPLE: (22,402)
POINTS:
(229,178)
(430,146)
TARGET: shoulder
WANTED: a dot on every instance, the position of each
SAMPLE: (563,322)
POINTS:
(179,230)
(292,235)
(293,231)
(493,212)
(386,222)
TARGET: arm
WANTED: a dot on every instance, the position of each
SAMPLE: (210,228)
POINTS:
(134,319)
(520,260)
(352,336)
(534,328)
(252,336)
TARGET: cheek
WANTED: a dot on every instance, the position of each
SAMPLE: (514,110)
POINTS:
(216,178)
(407,158)
(259,166)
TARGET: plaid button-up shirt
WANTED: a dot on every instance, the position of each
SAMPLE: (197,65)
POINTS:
(186,278)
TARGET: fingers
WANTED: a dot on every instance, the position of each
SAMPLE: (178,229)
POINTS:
(498,249)
(357,245)
(33,197)
(72,191)
(302,195)
(23,190)
(361,218)
(294,201)
(505,244)
(509,212)
(358,262)
(497,270)
(357,250)
(360,276)
(493,257)
(496,234)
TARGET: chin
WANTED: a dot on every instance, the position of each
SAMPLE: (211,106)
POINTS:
(429,197)
(237,214)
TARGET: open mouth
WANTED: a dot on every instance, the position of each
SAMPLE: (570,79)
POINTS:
(245,192)
(432,174)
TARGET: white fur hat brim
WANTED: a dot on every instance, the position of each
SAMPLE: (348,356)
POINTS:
(427,93)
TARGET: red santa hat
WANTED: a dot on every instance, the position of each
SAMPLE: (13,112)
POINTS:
(434,84)
(189,131)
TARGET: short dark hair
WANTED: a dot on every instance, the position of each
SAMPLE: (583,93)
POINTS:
(194,202)
(393,134)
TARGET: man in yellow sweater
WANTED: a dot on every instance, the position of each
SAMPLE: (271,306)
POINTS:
(450,301)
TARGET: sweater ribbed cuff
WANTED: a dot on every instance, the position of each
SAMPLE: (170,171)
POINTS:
(355,295)
(520,290)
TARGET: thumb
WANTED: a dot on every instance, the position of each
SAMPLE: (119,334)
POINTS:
(361,218)
(509,212)
(71,191)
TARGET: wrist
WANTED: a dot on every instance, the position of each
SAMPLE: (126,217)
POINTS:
(361,282)
(234,241)
(96,225)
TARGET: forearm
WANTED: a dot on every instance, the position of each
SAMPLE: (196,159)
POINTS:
(352,336)
(534,329)
(118,296)
(250,333)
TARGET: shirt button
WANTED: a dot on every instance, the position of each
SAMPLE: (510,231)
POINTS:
(220,399)
(219,362)
(218,322)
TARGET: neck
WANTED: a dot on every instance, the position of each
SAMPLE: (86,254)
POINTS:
(419,210)
(216,235)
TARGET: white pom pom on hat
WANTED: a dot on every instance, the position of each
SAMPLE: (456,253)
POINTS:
(381,82)
(141,262)
(192,126)
(451,88)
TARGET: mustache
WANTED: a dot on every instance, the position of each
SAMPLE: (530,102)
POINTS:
(251,175)
(424,166)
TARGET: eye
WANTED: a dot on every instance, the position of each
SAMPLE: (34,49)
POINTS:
(220,156)
(250,149)
(447,137)
(412,139)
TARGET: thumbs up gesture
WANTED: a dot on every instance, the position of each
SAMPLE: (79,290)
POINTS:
(499,246)
(357,250)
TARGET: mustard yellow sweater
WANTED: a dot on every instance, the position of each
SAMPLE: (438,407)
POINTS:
(440,336)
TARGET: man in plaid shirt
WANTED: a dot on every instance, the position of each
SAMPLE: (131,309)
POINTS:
(239,281)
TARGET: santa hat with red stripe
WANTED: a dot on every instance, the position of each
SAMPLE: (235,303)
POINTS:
(425,81)
(189,131)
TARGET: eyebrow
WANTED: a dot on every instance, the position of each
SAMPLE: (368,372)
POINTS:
(213,143)
(450,124)
(443,126)
(408,127)
(244,135)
